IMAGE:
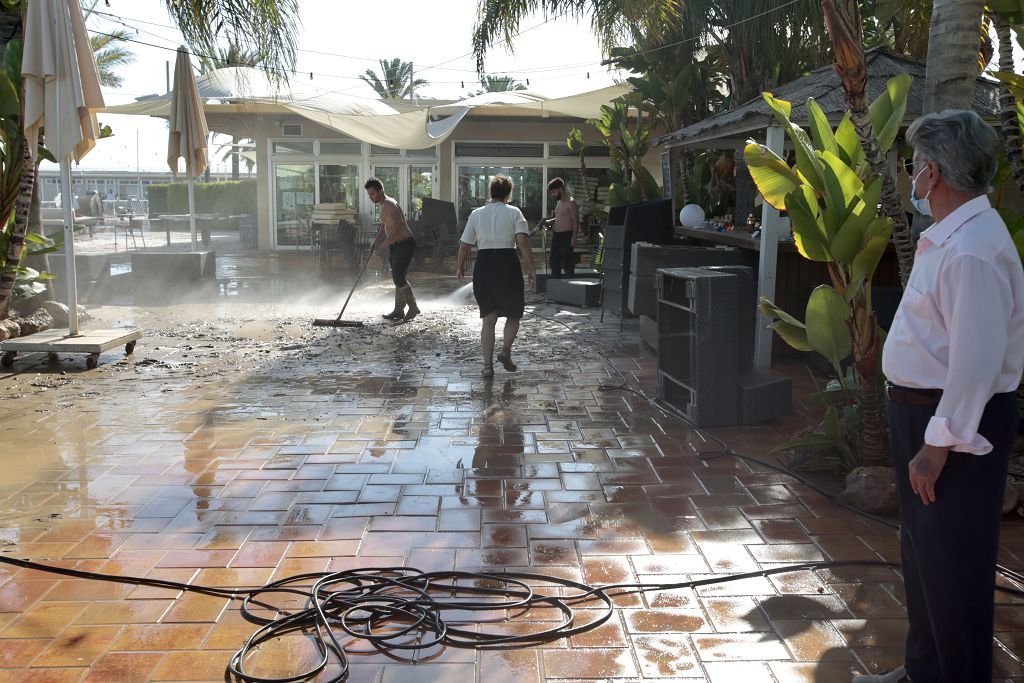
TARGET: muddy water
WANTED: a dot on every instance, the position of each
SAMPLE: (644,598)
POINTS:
(220,371)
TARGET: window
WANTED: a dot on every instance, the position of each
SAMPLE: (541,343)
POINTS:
(378,151)
(293,193)
(498,149)
(294,147)
(562,150)
(339,184)
(351,148)
(421,184)
(527,192)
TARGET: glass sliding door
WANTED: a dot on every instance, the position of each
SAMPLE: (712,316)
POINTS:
(527,193)
(339,184)
(421,184)
(294,195)
(391,178)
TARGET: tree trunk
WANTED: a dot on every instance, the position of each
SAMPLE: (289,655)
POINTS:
(684,174)
(952,65)
(35,225)
(844,26)
(1010,129)
(19,228)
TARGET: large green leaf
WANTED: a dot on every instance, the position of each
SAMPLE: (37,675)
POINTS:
(888,109)
(9,97)
(786,326)
(842,187)
(807,164)
(795,336)
(773,177)
(821,130)
(850,237)
(827,331)
(850,150)
(808,230)
(876,239)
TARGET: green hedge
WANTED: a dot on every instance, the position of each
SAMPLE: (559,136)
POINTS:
(229,198)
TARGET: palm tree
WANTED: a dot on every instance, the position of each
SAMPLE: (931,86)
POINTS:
(499,84)
(498,20)
(229,56)
(756,44)
(110,53)
(953,46)
(395,81)
(267,28)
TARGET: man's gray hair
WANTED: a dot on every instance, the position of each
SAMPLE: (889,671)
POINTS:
(961,144)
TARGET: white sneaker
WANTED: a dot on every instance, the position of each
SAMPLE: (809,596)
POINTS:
(897,675)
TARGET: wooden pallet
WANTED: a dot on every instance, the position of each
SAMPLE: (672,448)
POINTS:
(92,342)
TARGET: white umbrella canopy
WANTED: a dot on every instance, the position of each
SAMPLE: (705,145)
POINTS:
(61,92)
(188,131)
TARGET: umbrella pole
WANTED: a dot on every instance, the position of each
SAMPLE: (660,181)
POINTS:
(192,211)
(69,245)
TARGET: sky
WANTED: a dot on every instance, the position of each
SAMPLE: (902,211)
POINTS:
(337,42)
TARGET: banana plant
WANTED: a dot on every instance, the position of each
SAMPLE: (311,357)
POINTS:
(832,197)
(627,147)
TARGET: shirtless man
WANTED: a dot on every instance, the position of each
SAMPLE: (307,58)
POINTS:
(394,238)
(566,226)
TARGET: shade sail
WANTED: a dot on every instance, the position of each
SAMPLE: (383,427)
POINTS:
(61,86)
(247,90)
(188,131)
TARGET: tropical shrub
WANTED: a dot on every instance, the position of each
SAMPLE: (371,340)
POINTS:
(832,199)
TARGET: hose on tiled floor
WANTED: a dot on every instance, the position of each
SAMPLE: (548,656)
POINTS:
(396,609)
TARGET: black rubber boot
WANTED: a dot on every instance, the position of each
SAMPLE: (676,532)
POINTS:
(399,312)
(410,299)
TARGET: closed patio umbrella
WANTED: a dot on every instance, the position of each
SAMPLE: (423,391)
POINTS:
(62,92)
(188,131)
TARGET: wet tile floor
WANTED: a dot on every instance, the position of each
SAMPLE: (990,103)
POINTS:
(239,445)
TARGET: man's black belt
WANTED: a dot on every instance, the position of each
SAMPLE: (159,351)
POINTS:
(912,396)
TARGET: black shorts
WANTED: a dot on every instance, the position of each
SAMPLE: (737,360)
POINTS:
(498,283)
(400,256)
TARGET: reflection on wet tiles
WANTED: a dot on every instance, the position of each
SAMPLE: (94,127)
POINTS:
(358,450)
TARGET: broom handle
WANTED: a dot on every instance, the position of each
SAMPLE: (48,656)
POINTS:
(355,284)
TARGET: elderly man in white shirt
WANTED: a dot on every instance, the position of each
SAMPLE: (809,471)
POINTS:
(953,360)
(496,229)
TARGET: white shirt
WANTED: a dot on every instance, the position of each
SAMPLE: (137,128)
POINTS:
(495,226)
(960,323)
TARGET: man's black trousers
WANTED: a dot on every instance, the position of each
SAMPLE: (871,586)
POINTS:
(948,548)
(562,256)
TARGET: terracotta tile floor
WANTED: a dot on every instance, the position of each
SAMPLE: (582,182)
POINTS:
(239,445)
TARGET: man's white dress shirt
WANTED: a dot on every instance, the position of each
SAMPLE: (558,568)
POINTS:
(960,323)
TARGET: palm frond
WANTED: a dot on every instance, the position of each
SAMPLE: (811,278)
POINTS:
(263,27)
(610,20)
(111,52)
(394,81)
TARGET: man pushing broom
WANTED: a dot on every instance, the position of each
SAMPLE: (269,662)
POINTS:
(396,238)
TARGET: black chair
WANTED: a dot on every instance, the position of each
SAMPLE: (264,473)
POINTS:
(439,220)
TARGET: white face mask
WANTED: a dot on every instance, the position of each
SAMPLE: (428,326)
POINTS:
(922,206)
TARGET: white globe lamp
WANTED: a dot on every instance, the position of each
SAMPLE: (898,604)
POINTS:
(691,215)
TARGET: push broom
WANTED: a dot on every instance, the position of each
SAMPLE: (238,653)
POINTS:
(338,322)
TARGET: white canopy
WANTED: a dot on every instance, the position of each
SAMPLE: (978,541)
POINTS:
(248,90)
